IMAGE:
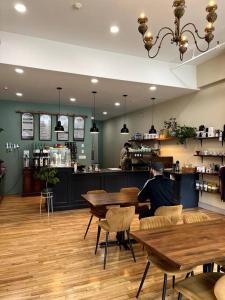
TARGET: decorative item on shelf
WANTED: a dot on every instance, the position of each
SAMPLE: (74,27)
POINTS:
(188,169)
(171,126)
(94,129)
(164,133)
(204,186)
(48,176)
(124,129)
(185,132)
(59,127)
(178,34)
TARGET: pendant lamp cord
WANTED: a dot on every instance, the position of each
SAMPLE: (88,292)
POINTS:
(125,107)
(153,110)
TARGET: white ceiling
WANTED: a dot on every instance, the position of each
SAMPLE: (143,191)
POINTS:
(89,27)
(40,86)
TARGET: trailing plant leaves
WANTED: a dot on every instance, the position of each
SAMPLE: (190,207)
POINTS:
(185,132)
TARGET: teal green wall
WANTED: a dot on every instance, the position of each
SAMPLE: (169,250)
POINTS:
(10,121)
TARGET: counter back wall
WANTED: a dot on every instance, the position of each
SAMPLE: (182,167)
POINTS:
(10,121)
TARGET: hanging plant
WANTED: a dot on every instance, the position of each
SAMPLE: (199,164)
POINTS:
(185,132)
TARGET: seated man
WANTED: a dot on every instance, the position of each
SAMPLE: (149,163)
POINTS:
(159,190)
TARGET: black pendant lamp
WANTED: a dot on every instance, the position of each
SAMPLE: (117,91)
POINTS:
(152,129)
(59,127)
(94,129)
(124,129)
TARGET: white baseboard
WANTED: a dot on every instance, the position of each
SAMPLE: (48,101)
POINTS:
(207,206)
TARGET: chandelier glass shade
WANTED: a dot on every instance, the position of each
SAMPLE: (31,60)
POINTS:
(178,34)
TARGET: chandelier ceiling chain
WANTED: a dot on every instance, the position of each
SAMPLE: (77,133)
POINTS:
(178,34)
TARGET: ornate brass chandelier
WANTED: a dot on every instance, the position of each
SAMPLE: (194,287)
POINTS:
(178,34)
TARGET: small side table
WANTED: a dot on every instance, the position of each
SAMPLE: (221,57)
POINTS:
(48,197)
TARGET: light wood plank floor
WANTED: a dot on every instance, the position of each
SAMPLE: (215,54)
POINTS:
(47,258)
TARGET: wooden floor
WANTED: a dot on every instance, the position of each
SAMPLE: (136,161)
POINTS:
(47,258)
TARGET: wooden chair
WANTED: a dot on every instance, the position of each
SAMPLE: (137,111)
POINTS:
(167,269)
(174,213)
(205,286)
(195,218)
(139,206)
(118,219)
(99,212)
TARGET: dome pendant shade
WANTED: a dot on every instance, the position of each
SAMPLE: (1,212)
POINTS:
(59,127)
(124,130)
(94,129)
(152,130)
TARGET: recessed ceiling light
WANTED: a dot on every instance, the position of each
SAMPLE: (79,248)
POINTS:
(153,88)
(114,29)
(117,104)
(105,113)
(21,8)
(72,99)
(19,71)
(19,94)
(94,80)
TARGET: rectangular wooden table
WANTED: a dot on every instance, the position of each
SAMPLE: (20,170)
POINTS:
(188,245)
(104,199)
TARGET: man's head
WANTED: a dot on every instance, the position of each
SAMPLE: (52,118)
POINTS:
(157,168)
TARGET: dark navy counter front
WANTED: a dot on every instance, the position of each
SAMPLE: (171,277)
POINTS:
(67,193)
(189,197)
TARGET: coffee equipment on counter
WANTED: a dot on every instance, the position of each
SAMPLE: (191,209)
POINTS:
(41,158)
(73,150)
(26,158)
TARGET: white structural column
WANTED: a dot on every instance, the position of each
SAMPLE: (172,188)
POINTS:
(44,54)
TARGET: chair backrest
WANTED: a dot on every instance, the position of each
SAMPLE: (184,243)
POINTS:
(219,288)
(195,218)
(120,218)
(154,222)
(172,212)
(96,192)
(130,190)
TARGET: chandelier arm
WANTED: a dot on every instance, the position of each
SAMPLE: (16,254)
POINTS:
(159,47)
(163,28)
(195,28)
(200,50)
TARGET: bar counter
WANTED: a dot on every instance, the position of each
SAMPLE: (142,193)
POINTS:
(67,193)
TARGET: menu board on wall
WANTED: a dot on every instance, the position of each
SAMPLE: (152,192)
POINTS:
(45,127)
(27,126)
(78,128)
(63,136)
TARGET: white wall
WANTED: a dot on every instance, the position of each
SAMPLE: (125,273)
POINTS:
(33,52)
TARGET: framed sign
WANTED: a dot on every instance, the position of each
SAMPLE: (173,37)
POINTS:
(45,127)
(27,126)
(63,136)
(78,128)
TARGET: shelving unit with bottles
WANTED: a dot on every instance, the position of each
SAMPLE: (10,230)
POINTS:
(204,186)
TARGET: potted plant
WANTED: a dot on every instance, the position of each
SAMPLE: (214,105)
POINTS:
(48,176)
(185,132)
(171,126)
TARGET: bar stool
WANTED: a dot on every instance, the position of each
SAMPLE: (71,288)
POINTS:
(48,197)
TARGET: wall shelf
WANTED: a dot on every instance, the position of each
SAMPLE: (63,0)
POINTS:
(201,139)
(210,155)
(171,138)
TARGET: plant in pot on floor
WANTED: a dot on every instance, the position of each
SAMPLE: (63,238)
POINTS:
(49,178)
(185,132)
